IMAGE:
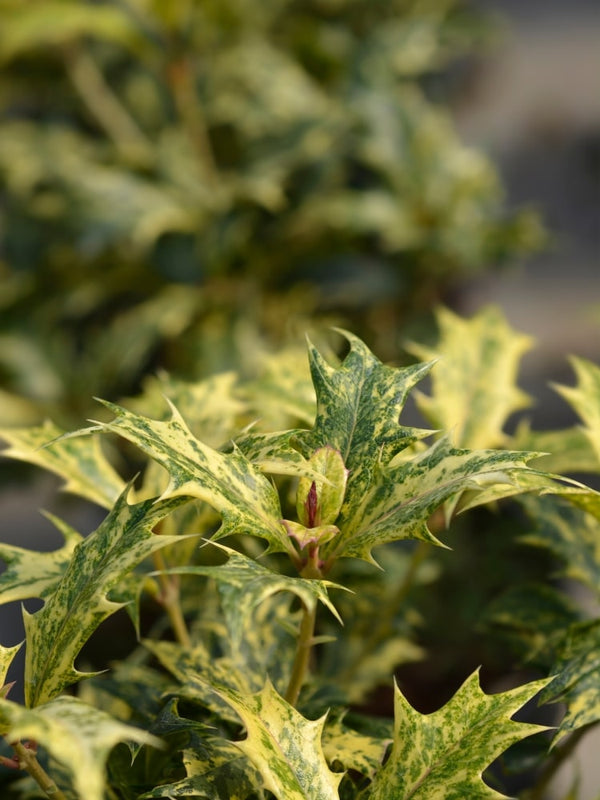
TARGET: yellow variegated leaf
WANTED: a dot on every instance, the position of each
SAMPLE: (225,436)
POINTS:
(6,657)
(77,735)
(442,756)
(585,399)
(353,750)
(244,584)
(30,573)
(473,389)
(229,482)
(80,462)
(56,633)
(285,747)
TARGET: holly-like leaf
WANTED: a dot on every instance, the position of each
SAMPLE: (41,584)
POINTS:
(79,461)
(56,633)
(285,747)
(353,750)
(577,681)
(585,399)
(77,735)
(246,500)
(6,658)
(30,573)
(402,495)
(244,584)
(442,756)
(473,389)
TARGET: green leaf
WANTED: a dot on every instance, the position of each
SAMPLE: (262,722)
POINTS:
(285,747)
(56,633)
(232,485)
(33,574)
(577,681)
(402,495)
(442,756)
(244,584)
(585,399)
(80,462)
(77,735)
(473,388)
(565,451)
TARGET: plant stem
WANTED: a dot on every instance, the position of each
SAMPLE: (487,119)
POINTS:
(303,649)
(28,761)
(169,599)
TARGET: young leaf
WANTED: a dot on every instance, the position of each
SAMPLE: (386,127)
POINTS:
(285,747)
(77,735)
(585,398)
(244,584)
(6,657)
(442,756)
(33,574)
(473,388)
(80,462)
(80,602)
(232,485)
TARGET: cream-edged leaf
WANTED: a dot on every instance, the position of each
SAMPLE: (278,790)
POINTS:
(284,746)
(79,736)
(7,655)
(79,461)
(473,389)
(56,633)
(585,398)
(442,756)
(246,500)
(30,573)
(244,584)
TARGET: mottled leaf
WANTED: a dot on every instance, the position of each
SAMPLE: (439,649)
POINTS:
(473,389)
(353,750)
(30,573)
(6,658)
(229,482)
(577,681)
(564,451)
(77,735)
(285,747)
(79,461)
(244,584)
(442,756)
(56,633)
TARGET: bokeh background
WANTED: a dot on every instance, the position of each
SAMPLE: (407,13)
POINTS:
(189,185)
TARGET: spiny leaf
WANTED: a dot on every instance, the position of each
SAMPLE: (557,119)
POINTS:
(402,496)
(244,584)
(284,746)
(80,602)
(564,451)
(585,399)
(353,750)
(77,735)
(473,388)
(442,756)
(577,681)
(30,573)
(232,485)
(80,462)
(7,655)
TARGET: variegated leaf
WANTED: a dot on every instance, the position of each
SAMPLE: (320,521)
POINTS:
(564,451)
(585,398)
(577,681)
(473,389)
(244,584)
(79,461)
(285,747)
(30,573)
(7,655)
(353,750)
(56,633)
(442,756)
(401,496)
(229,482)
(77,735)
(215,768)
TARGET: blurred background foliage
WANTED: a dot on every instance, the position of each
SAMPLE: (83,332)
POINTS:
(184,183)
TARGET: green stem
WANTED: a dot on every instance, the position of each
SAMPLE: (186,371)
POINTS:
(303,650)
(169,599)
(27,760)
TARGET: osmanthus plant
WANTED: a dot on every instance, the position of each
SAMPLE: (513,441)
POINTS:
(268,591)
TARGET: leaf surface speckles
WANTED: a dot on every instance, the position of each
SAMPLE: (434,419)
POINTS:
(442,756)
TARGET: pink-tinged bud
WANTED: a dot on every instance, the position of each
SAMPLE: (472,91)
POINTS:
(319,499)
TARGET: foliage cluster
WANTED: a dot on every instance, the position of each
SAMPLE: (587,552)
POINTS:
(217,144)
(272,574)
